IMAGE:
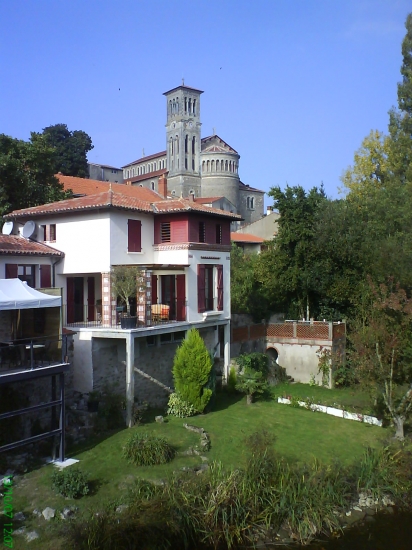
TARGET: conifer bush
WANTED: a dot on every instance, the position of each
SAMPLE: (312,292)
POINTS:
(192,371)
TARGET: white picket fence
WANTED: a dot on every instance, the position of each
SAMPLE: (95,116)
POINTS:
(335,412)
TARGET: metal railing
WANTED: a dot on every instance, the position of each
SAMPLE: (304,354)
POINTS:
(145,315)
(32,352)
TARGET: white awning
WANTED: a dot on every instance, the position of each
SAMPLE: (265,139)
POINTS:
(15,294)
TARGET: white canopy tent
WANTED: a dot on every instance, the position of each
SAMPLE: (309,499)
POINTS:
(16,294)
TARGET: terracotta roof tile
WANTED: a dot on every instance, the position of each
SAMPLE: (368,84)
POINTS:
(207,200)
(112,199)
(82,186)
(15,245)
(184,205)
(89,202)
(245,238)
(147,176)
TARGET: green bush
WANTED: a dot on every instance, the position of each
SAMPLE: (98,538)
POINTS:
(232,380)
(177,407)
(71,482)
(192,370)
(258,362)
(252,374)
(147,450)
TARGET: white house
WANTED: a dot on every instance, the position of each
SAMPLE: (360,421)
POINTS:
(183,248)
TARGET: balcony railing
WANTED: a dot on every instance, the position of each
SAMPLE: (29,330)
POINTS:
(32,352)
(145,315)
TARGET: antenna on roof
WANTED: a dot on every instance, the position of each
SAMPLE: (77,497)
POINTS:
(183,81)
(143,152)
(213,132)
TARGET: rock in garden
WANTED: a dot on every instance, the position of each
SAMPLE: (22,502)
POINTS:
(159,419)
(48,513)
(31,535)
(36,513)
(121,508)
(20,531)
(19,516)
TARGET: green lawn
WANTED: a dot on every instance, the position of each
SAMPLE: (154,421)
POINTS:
(300,435)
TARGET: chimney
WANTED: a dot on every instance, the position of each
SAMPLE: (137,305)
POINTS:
(268,210)
(191,197)
(162,186)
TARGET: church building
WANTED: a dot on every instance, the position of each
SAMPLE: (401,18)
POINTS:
(207,168)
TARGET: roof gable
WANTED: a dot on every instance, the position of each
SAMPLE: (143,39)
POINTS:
(215,144)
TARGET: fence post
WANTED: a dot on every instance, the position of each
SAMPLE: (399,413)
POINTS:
(295,329)
(330,335)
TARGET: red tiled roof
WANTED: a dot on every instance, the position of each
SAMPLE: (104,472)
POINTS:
(114,199)
(207,200)
(245,238)
(144,159)
(89,202)
(244,187)
(82,186)
(184,205)
(15,245)
(147,176)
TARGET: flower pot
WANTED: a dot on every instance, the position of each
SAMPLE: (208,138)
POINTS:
(128,322)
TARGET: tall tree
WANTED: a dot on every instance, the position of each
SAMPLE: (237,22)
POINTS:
(382,350)
(400,121)
(27,173)
(286,268)
(70,148)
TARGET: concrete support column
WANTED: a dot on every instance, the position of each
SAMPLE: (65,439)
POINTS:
(129,378)
(226,338)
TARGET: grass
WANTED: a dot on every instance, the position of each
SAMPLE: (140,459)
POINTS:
(300,435)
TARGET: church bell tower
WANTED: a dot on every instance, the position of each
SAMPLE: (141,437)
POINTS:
(183,141)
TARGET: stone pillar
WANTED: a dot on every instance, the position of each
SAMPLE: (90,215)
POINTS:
(144,298)
(129,378)
(108,302)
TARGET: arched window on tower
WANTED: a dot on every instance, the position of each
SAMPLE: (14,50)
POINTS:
(190,106)
(174,106)
(248,202)
(171,146)
(226,166)
(217,165)
(152,185)
(212,166)
(170,107)
(193,145)
(185,104)
(207,166)
(203,166)
(177,144)
(186,140)
(194,107)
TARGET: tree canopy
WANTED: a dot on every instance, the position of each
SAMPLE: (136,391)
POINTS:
(27,173)
(70,149)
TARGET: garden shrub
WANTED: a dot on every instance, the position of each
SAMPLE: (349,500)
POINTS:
(192,370)
(178,407)
(252,374)
(147,450)
(232,380)
(71,482)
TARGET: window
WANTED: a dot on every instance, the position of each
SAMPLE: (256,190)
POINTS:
(202,232)
(152,185)
(48,232)
(165,232)
(114,171)
(52,232)
(26,273)
(134,236)
(218,233)
(210,287)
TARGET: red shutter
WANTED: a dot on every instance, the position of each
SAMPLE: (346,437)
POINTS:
(134,235)
(154,289)
(219,269)
(11,271)
(180,298)
(201,288)
(45,276)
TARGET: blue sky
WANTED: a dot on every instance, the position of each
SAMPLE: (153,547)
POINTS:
(293,85)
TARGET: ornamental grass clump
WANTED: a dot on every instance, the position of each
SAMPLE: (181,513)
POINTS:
(147,450)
